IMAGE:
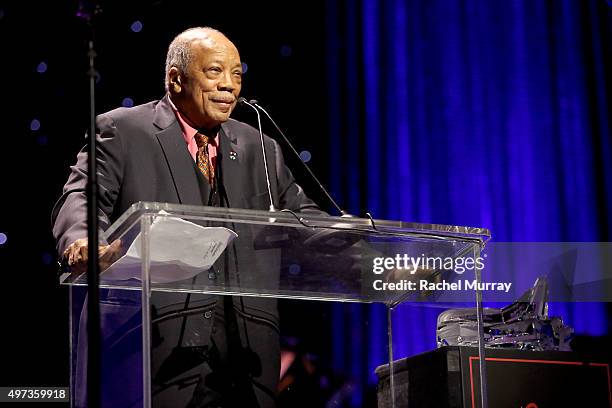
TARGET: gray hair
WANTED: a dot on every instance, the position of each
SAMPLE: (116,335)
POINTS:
(179,52)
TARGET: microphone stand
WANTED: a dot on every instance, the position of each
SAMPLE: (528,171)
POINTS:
(343,213)
(263,151)
(87,11)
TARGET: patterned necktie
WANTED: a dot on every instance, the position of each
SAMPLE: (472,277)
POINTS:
(203,160)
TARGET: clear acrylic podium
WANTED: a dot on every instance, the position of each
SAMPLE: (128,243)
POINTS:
(277,255)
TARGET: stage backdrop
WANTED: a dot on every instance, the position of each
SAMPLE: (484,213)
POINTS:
(479,113)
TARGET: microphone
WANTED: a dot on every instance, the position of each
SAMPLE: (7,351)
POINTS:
(254,102)
(263,150)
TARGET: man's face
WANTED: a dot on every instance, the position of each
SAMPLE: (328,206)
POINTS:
(209,89)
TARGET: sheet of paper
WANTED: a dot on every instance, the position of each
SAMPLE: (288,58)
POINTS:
(179,250)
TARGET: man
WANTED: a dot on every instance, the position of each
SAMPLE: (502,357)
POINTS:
(185,149)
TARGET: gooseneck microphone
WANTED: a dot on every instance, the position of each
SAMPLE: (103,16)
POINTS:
(343,213)
(263,150)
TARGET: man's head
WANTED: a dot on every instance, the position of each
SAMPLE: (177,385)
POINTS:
(203,76)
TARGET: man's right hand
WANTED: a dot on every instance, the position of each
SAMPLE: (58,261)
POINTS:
(76,254)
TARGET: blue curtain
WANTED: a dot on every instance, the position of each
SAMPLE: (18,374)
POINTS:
(474,112)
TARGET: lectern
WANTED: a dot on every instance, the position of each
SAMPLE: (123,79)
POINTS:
(251,255)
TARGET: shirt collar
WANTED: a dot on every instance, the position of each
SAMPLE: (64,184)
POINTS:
(188,131)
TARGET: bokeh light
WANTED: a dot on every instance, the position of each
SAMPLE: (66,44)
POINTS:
(42,67)
(35,124)
(295,269)
(127,102)
(305,156)
(47,259)
(285,51)
(136,26)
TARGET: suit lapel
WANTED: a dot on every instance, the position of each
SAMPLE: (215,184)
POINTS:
(232,164)
(180,162)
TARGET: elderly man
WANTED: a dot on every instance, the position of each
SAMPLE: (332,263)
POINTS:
(185,149)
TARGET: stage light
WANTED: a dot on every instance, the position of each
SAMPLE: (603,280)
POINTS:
(42,67)
(286,51)
(305,156)
(245,67)
(3,238)
(136,26)
(127,102)
(35,125)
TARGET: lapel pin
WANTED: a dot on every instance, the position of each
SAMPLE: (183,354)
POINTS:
(232,155)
